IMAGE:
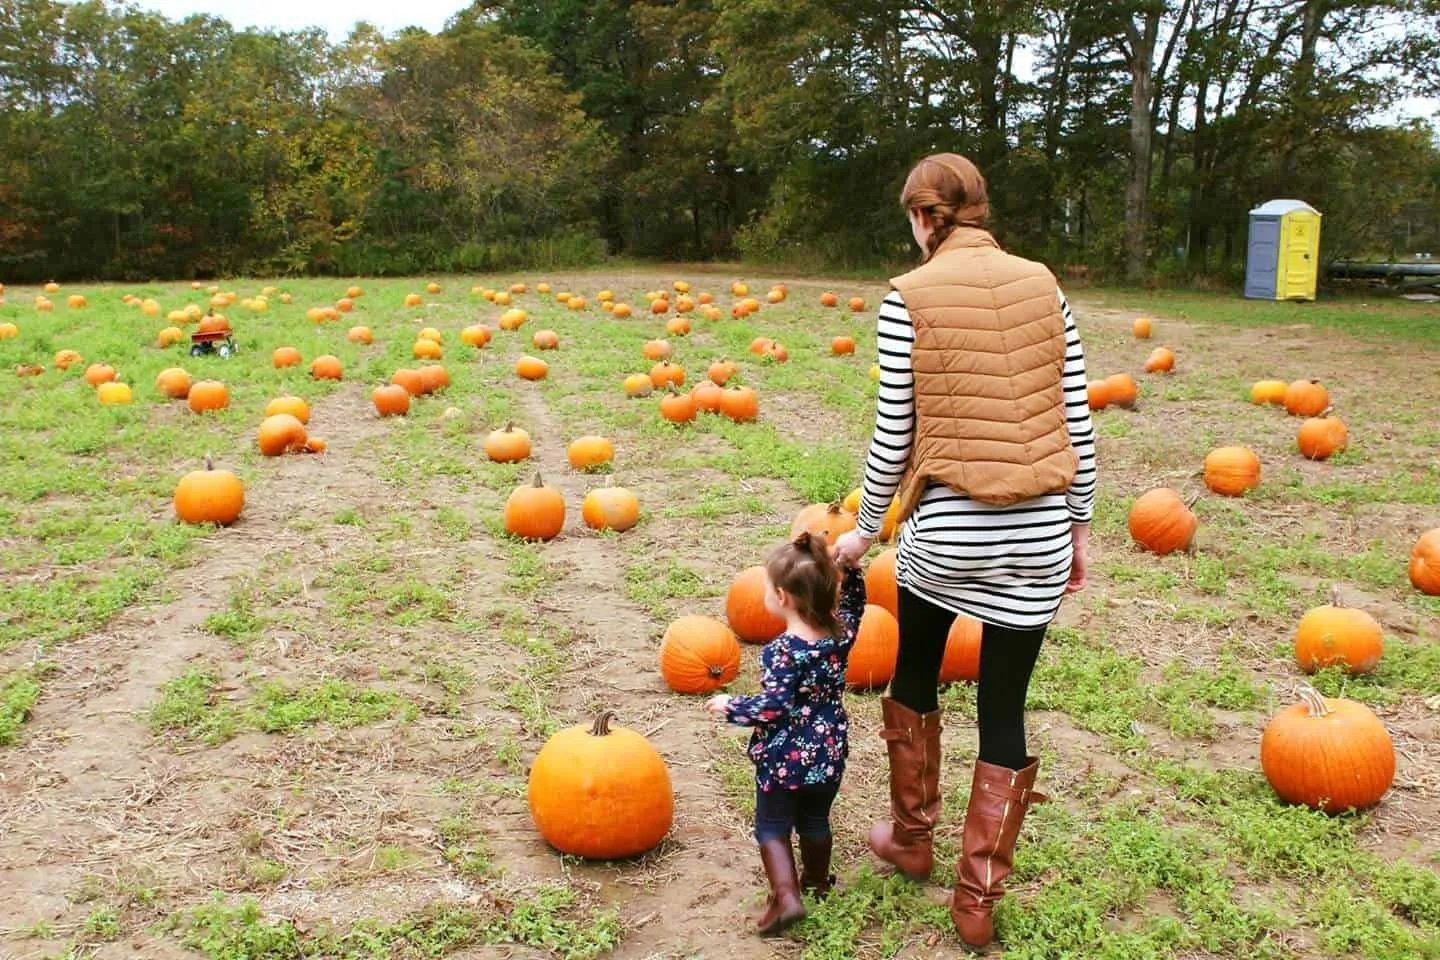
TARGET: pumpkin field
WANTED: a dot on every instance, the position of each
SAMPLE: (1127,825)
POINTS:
(448,518)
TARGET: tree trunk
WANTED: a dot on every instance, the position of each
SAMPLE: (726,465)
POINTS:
(1141,42)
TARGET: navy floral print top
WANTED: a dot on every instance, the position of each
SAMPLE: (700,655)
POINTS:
(801,733)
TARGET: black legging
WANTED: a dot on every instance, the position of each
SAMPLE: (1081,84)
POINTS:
(1007,658)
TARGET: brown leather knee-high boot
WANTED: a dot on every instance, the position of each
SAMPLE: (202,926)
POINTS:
(999,798)
(784,907)
(913,741)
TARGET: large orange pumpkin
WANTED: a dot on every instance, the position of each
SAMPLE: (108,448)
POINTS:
(1231,471)
(1161,522)
(434,378)
(535,511)
(600,792)
(209,496)
(740,404)
(1098,394)
(587,453)
(545,340)
(1122,389)
(391,400)
(872,658)
(639,385)
(829,520)
(529,368)
(280,434)
(698,655)
(1161,360)
(677,407)
(1141,328)
(708,396)
(1306,398)
(1425,563)
(285,357)
(507,445)
(208,395)
(610,508)
(745,607)
(294,406)
(1268,391)
(326,367)
(173,383)
(720,371)
(880,588)
(962,651)
(1337,635)
(665,373)
(1320,438)
(1330,755)
(98,373)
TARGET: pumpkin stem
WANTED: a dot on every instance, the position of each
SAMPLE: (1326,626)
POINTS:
(835,507)
(602,724)
(538,482)
(209,462)
(1327,411)
(1314,702)
(509,425)
(1335,595)
(1190,504)
(716,672)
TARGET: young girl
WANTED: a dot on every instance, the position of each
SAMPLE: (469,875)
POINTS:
(799,745)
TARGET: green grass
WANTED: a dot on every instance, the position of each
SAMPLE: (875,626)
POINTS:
(1374,315)
(18,692)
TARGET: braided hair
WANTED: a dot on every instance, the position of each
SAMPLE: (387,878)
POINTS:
(949,191)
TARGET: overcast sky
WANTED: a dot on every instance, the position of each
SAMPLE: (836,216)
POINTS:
(337,17)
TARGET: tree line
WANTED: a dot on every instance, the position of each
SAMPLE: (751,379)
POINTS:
(1129,138)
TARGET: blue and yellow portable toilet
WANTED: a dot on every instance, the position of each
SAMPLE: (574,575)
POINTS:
(1283,256)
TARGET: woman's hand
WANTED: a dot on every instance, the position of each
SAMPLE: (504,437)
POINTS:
(850,548)
(718,704)
(1080,565)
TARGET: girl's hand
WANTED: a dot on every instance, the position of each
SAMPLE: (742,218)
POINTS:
(1080,565)
(850,548)
(718,704)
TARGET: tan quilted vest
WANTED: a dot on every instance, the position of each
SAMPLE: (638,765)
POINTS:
(988,358)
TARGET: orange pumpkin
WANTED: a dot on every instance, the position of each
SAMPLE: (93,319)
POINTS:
(600,792)
(880,588)
(1268,391)
(828,299)
(1098,393)
(354,293)
(1425,563)
(1320,438)
(962,651)
(842,346)
(829,520)
(740,404)
(656,350)
(214,323)
(707,396)
(1161,360)
(638,385)
(529,368)
(720,372)
(360,334)
(745,607)
(209,496)
(857,304)
(872,658)
(587,453)
(65,359)
(326,367)
(622,310)
(535,511)
(610,508)
(666,374)
(412,380)
(677,326)
(426,349)
(294,406)
(508,445)
(476,335)
(759,345)
(1231,471)
(545,340)
(777,352)
(391,400)
(173,383)
(677,407)
(1330,755)
(659,305)
(344,305)
(1141,328)
(280,434)
(1337,635)
(1161,522)
(114,393)
(434,378)
(285,357)
(208,395)
(1306,398)
(739,289)
(98,373)
(413,299)
(1123,389)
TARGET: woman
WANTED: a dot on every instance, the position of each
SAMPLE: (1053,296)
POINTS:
(983,431)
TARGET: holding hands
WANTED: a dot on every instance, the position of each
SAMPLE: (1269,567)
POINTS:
(718,704)
(850,548)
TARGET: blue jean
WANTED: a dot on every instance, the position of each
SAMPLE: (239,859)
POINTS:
(806,811)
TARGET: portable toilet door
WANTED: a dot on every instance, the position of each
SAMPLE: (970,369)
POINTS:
(1283,253)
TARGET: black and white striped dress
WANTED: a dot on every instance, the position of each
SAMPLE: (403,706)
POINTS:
(1002,565)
